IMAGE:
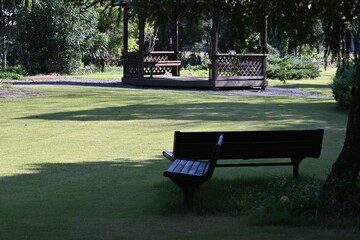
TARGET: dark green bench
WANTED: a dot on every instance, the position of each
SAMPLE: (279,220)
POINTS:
(238,146)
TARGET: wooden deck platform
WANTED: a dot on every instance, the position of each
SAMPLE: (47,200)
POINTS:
(195,82)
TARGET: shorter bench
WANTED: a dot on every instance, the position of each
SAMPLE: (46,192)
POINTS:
(238,146)
(189,174)
(153,66)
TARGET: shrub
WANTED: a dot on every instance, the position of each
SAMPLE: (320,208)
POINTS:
(10,75)
(53,36)
(18,69)
(289,67)
(343,83)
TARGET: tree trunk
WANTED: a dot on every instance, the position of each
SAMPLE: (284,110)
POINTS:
(341,190)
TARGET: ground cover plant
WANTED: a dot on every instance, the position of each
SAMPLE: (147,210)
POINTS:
(344,81)
(85,163)
(289,67)
(93,72)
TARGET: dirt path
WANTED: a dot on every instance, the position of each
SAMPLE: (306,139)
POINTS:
(53,79)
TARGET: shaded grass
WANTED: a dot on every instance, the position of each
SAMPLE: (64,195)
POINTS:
(85,163)
(113,73)
(318,85)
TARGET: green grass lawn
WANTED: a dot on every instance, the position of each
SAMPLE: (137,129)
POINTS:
(85,163)
(319,85)
(110,73)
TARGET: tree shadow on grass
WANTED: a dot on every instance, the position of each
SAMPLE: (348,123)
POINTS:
(304,85)
(103,83)
(231,111)
(56,197)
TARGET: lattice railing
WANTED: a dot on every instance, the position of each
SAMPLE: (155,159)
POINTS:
(158,56)
(131,64)
(241,65)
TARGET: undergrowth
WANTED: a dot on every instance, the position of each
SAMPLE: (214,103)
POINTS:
(10,75)
(289,67)
(282,201)
(343,83)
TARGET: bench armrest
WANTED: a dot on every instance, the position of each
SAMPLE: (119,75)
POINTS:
(169,155)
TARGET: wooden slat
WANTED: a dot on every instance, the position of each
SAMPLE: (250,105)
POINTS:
(187,167)
(201,168)
(254,164)
(194,168)
(180,166)
(174,165)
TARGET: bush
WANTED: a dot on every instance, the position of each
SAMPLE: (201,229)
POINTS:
(18,69)
(10,75)
(195,62)
(53,36)
(289,67)
(343,83)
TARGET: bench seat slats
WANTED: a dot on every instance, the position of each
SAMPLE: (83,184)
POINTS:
(180,165)
(201,169)
(174,165)
(194,168)
(187,167)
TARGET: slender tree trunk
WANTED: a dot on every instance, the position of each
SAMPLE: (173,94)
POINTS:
(341,190)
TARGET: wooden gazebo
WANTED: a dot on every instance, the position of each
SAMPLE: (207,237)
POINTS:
(225,71)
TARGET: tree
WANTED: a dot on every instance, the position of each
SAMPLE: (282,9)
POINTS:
(6,23)
(53,36)
(341,190)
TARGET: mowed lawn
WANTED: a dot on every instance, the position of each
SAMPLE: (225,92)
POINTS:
(85,162)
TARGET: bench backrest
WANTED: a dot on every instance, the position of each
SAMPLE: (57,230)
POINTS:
(250,144)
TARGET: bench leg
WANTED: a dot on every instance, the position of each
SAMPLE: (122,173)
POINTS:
(188,189)
(296,162)
(188,196)
(175,71)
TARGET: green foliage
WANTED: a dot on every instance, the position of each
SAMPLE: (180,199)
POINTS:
(52,36)
(18,69)
(289,67)
(265,201)
(195,62)
(342,84)
(295,197)
(10,75)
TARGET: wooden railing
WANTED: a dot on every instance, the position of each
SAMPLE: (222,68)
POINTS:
(227,66)
(131,64)
(168,61)
(239,66)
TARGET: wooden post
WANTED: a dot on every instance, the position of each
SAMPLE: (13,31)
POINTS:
(214,46)
(141,51)
(264,48)
(175,42)
(264,36)
(126,28)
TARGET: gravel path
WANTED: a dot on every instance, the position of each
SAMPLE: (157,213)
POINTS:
(61,80)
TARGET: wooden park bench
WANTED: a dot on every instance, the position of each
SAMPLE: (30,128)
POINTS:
(195,147)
